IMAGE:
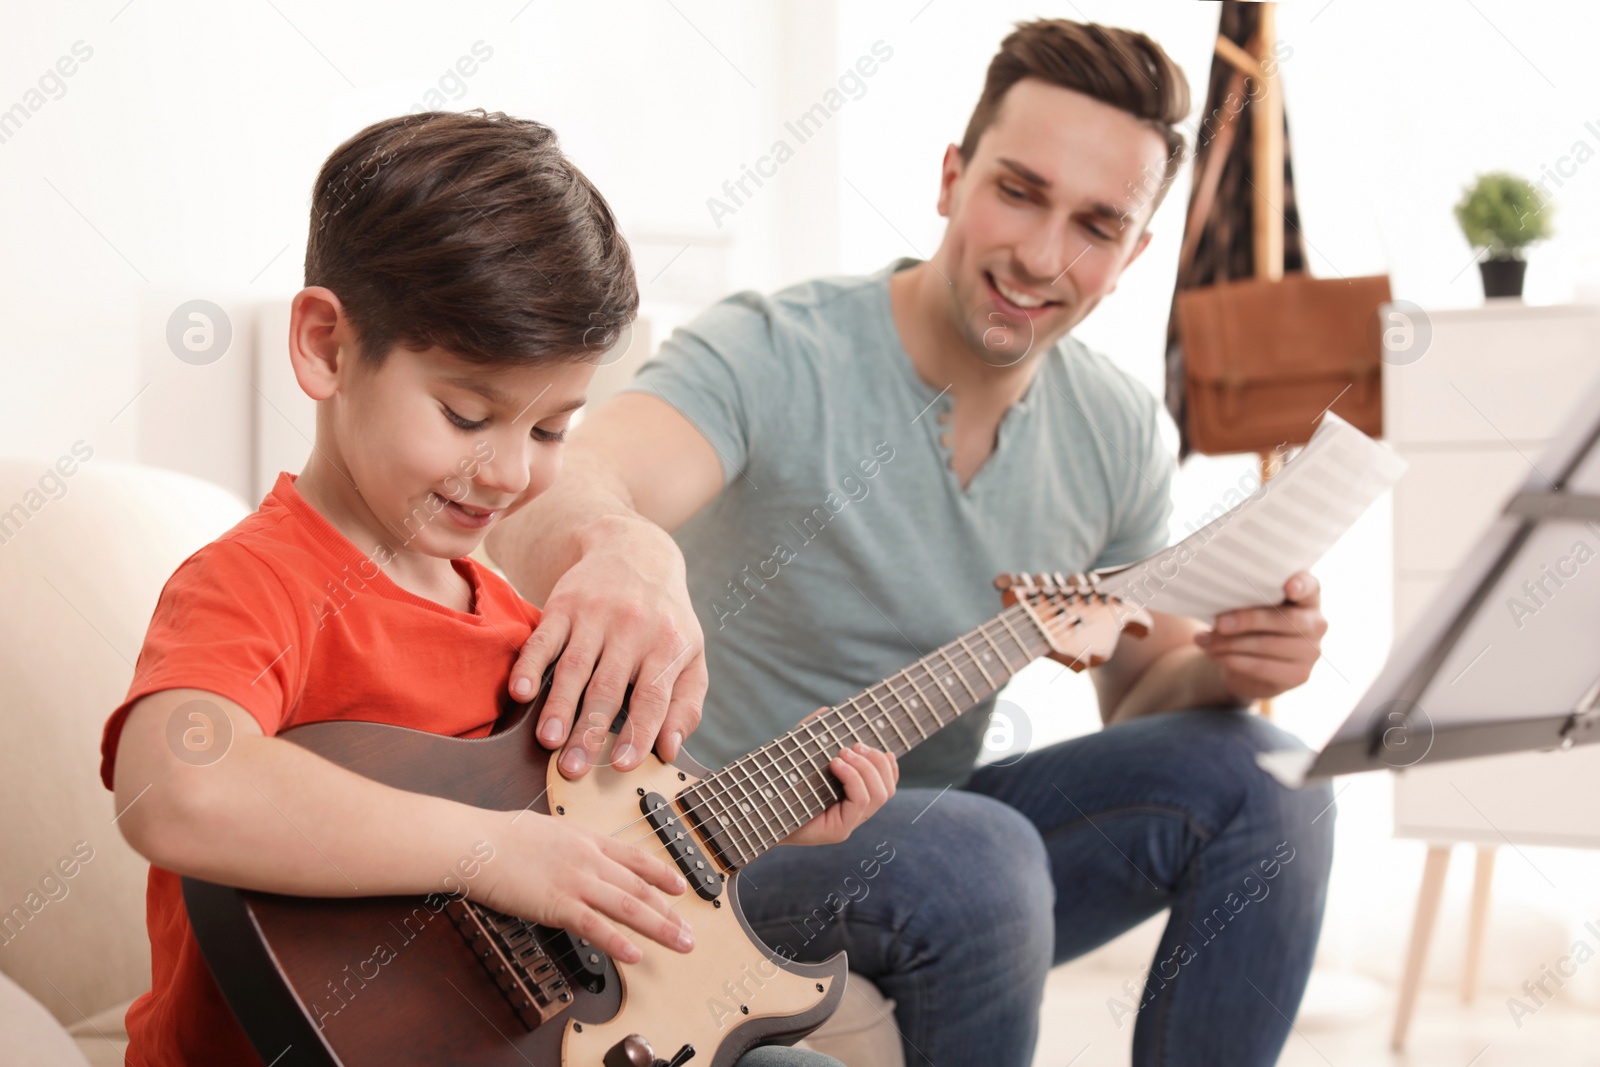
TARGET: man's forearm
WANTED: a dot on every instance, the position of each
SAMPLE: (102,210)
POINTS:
(1182,677)
(538,544)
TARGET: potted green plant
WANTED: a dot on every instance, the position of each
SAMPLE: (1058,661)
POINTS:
(1502,214)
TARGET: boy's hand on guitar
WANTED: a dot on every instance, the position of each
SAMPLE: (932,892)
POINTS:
(869,778)
(559,874)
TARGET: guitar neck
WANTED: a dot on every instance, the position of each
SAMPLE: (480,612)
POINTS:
(756,801)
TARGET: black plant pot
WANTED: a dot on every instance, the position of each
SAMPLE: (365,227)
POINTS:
(1502,275)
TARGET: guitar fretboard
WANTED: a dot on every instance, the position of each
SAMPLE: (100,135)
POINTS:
(756,801)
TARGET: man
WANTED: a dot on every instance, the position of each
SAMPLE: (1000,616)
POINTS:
(844,468)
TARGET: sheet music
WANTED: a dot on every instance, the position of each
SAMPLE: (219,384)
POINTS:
(1243,557)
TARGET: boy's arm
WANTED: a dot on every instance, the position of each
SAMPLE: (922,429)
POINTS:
(270,815)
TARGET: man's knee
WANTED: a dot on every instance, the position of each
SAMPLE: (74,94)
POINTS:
(1306,813)
(1293,826)
(1209,758)
(1303,819)
(990,878)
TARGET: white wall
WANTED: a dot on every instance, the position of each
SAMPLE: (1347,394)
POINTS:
(179,157)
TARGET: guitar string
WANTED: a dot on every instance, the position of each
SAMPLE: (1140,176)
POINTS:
(885,715)
(1054,599)
(852,719)
(856,717)
(757,835)
(724,780)
(752,839)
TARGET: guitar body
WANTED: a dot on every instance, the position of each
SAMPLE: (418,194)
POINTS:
(437,980)
(389,980)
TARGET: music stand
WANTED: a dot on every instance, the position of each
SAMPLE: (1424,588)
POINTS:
(1507,656)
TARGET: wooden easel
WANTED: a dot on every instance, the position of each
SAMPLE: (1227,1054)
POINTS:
(1433,872)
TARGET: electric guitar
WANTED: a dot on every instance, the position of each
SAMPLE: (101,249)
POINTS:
(443,980)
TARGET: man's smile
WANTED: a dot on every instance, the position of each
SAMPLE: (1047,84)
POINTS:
(1019,303)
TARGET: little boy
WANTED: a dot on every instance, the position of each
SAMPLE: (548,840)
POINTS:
(463,277)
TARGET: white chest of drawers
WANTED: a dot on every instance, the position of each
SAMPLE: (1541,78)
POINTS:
(1471,415)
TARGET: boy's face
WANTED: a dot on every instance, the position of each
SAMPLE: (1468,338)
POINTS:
(440,448)
(1045,216)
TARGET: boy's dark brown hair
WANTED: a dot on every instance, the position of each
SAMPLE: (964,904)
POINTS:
(471,232)
(1119,67)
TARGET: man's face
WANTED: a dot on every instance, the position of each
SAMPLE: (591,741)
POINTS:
(1045,217)
(440,448)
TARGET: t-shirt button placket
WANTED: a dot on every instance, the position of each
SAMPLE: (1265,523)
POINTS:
(946,438)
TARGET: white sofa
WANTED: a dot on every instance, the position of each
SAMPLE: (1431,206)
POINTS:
(83,557)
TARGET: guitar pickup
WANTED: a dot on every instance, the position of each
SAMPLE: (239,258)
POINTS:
(681,846)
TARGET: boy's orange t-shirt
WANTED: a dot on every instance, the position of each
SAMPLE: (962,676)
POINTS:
(289,619)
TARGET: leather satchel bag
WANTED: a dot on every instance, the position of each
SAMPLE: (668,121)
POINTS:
(1264,358)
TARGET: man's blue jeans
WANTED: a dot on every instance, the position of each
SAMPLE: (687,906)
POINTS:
(956,904)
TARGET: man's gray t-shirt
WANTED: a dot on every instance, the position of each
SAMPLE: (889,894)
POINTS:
(843,547)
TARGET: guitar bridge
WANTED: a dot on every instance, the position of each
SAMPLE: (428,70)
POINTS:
(514,957)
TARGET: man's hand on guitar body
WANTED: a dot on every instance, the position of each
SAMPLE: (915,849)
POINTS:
(620,616)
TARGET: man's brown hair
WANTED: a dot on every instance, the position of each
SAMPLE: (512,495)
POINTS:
(1119,67)
(471,232)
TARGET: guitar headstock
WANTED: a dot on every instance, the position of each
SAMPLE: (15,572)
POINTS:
(1079,621)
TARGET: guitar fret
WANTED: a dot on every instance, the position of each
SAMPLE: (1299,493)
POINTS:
(1032,616)
(805,775)
(1021,645)
(746,832)
(769,834)
(822,758)
(984,632)
(948,699)
(760,799)
(718,808)
(752,802)
(818,759)
(827,718)
(920,698)
(867,721)
(987,677)
(770,793)
(971,692)
(741,800)
(889,716)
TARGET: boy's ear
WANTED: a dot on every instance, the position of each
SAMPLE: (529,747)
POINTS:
(319,339)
